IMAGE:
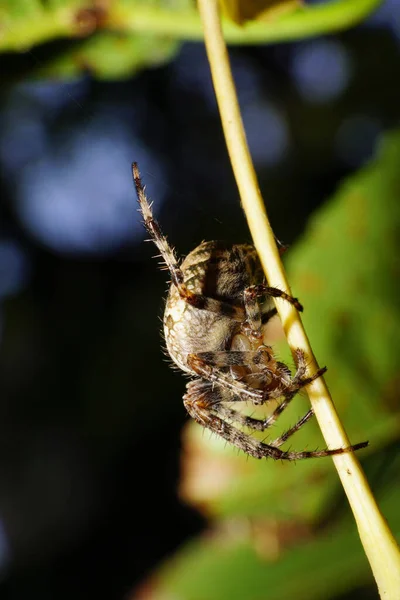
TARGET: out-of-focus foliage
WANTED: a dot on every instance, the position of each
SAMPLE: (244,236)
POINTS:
(111,56)
(127,35)
(346,270)
(269,541)
(236,562)
(97,46)
(241,11)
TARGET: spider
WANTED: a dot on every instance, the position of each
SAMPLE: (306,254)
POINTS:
(214,326)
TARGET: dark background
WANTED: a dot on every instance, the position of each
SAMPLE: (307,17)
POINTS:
(90,413)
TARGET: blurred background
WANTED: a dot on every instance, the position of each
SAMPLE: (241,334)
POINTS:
(90,412)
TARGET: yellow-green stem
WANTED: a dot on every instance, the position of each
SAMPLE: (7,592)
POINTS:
(379,544)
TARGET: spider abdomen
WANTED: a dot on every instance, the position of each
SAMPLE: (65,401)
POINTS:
(214,270)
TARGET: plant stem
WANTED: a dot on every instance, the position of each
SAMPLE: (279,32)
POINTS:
(379,544)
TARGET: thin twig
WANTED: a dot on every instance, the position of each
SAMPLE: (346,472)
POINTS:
(379,544)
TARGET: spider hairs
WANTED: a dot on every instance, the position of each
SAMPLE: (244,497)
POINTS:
(214,325)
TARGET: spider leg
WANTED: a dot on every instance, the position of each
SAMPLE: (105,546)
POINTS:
(225,412)
(209,365)
(223,379)
(253,311)
(313,453)
(167,252)
(285,436)
(262,424)
(256,291)
(200,402)
(221,397)
(254,316)
(168,255)
(299,380)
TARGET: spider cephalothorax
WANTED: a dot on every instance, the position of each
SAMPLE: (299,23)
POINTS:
(214,324)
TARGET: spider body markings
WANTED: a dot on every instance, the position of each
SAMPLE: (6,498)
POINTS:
(214,325)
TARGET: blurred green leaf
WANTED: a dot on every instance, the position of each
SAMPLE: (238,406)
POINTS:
(346,271)
(26,23)
(241,11)
(110,56)
(95,47)
(230,565)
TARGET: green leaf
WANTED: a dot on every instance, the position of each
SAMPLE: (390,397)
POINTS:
(346,271)
(230,564)
(25,23)
(110,56)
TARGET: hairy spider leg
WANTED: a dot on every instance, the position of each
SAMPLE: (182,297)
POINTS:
(167,252)
(254,317)
(253,292)
(288,391)
(208,365)
(200,402)
(223,379)
(226,412)
(285,436)
(199,301)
